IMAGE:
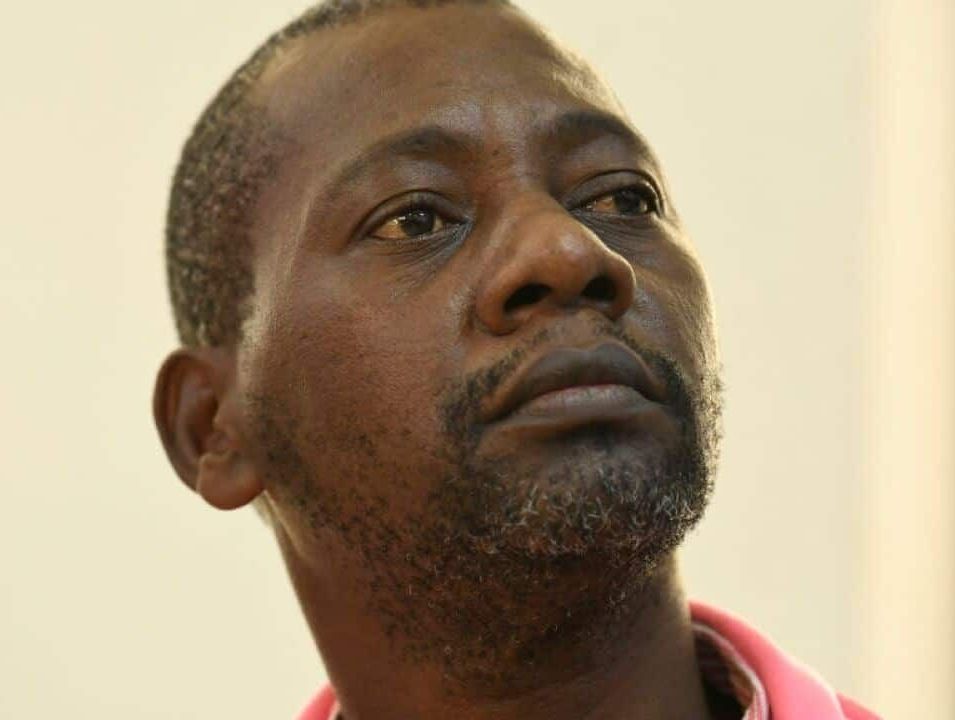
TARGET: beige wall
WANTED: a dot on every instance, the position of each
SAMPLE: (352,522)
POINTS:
(910,359)
(810,146)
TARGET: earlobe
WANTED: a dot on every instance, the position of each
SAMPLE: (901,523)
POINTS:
(196,413)
(226,481)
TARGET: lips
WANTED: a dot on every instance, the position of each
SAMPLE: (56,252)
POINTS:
(608,364)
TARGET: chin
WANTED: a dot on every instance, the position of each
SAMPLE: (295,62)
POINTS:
(590,494)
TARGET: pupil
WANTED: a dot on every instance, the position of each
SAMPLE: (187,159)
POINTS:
(631,201)
(417,222)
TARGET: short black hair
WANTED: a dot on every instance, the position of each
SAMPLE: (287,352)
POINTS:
(223,165)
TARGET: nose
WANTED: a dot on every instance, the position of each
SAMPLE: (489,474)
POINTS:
(546,261)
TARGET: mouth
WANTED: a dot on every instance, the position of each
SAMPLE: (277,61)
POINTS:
(573,385)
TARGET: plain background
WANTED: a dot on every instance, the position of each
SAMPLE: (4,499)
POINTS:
(810,148)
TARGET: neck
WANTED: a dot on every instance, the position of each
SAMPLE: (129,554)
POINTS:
(635,661)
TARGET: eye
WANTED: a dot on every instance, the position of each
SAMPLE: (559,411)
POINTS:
(408,224)
(633,200)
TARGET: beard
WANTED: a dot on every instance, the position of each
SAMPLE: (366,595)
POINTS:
(519,558)
(599,489)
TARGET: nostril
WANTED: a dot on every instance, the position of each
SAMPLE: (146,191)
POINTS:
(527,295)
(601,288)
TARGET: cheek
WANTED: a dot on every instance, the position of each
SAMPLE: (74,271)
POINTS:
(693,306)
(680,312)
(356,382)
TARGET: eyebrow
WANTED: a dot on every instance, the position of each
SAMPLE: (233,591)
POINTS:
(580,127)
(572,129)
(425,142)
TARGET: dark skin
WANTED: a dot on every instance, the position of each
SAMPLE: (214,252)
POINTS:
(451,187)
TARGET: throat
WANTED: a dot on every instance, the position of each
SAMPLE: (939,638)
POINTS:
(564,641)
(512,639)
(549,652)
(615,647)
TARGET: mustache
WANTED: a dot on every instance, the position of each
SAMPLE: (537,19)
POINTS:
(462,403)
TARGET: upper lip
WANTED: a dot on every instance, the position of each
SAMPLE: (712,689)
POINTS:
(607,364)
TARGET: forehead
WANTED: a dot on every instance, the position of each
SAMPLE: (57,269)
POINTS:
(480,70)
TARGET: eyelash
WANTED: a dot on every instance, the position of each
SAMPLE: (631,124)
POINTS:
(648,192)
(427,203)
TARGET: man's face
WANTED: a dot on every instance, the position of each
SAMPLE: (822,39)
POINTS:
(462,200)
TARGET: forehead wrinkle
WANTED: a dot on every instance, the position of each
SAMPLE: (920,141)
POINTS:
(455,118)
(435,143)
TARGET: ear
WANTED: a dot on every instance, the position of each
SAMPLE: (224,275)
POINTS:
(197,413)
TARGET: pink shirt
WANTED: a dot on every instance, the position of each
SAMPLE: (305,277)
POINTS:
(735,660)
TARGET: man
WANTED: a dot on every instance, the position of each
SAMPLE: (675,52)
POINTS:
(442,327)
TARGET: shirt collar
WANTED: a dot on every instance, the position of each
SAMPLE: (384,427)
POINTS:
(726,672)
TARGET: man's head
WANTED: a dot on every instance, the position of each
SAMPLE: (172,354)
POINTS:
(392,231)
